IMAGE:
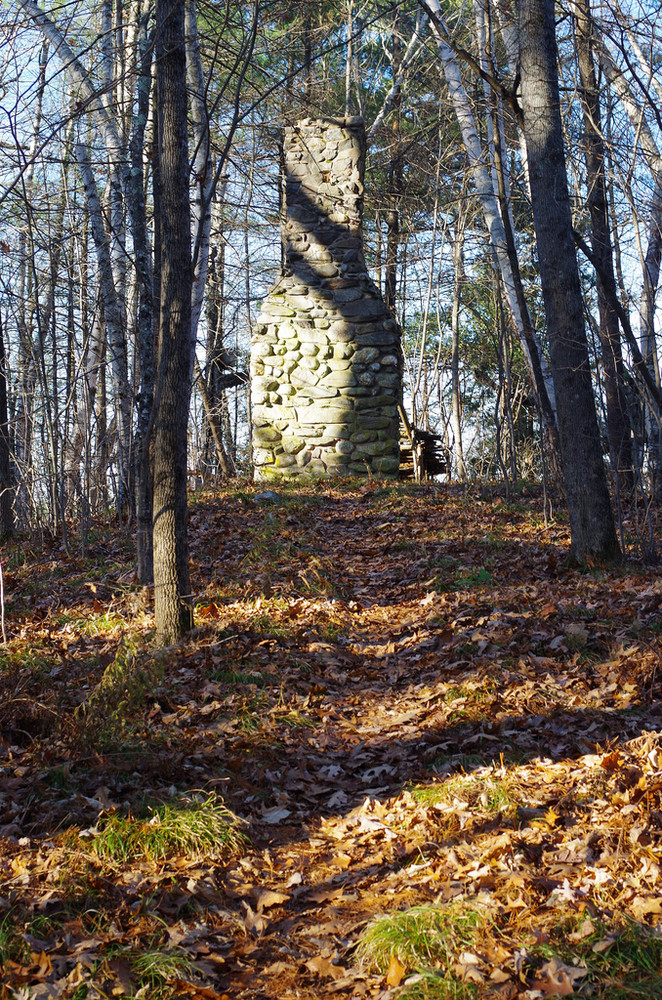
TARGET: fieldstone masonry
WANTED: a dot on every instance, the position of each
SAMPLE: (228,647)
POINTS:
(326,361)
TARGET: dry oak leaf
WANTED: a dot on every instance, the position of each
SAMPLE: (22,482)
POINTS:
(323,967)
(269,897)
(641,907)
(500,976)
(558,979)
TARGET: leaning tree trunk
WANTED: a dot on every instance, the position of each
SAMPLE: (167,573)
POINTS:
(172,591)
(494,222)
(593,533)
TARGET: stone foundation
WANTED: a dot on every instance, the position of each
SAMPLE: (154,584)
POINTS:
(326,362)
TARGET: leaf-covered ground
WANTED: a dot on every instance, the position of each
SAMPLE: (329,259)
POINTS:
(413,705)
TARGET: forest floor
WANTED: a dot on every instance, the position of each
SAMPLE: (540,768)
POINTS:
(441,742)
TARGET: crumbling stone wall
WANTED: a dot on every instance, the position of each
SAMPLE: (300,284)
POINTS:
(326,361)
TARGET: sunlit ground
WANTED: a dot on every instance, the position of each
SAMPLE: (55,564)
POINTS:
(408,748)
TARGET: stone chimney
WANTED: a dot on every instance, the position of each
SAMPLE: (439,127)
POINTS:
(326,361)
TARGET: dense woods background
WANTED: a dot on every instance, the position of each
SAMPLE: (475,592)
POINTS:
(449,225)
(410,744)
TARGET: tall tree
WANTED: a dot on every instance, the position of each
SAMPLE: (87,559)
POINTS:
(172,591)
(593,532)
(6,513)
(618,423)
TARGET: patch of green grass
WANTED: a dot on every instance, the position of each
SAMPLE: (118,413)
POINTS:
(623,961)
(195,828)
(330,632)
(12,946)
(469,692)
(31,660)
(104,720)
(433,985)
(476,578)
(485,793)
(249,715)
(156,968)
(227,675)
(463,579)
(427,940)
(467,762)
(263,622)
(297,720)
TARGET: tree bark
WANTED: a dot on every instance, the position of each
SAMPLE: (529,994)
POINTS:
(145,399)
(593,533)
(494,222)
(618,423)
(6,485)
(172,591)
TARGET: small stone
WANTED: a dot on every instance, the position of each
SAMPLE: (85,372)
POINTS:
(311,363)
(264,383)
(342,351)
(365,355)
(266,434)
(344,447)
(372,448)
(268,496)
(293,445)
(301,376)
(261,349)
(340,379)
(377,338)
(388,464)
(317,392)
(388,380)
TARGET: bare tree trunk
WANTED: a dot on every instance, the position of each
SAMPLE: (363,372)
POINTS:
(6,485)
(114,318)
(618,423)
(172,589)
(145,278)
(456,394)
(593,533)
(494,221)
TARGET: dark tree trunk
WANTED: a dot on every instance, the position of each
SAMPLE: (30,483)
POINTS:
(593,532)
(6,513)
(618,423)
(142,472)
(172,590)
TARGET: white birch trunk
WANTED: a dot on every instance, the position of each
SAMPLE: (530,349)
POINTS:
(488,201)
(113,318)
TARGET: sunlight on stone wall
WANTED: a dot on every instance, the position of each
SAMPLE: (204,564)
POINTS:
(326,362)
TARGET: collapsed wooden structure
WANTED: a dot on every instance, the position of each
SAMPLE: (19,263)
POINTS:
(423,455)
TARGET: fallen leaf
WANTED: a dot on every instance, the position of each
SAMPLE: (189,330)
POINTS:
(268,897)
(323,967)
(396,972)
(558,979)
